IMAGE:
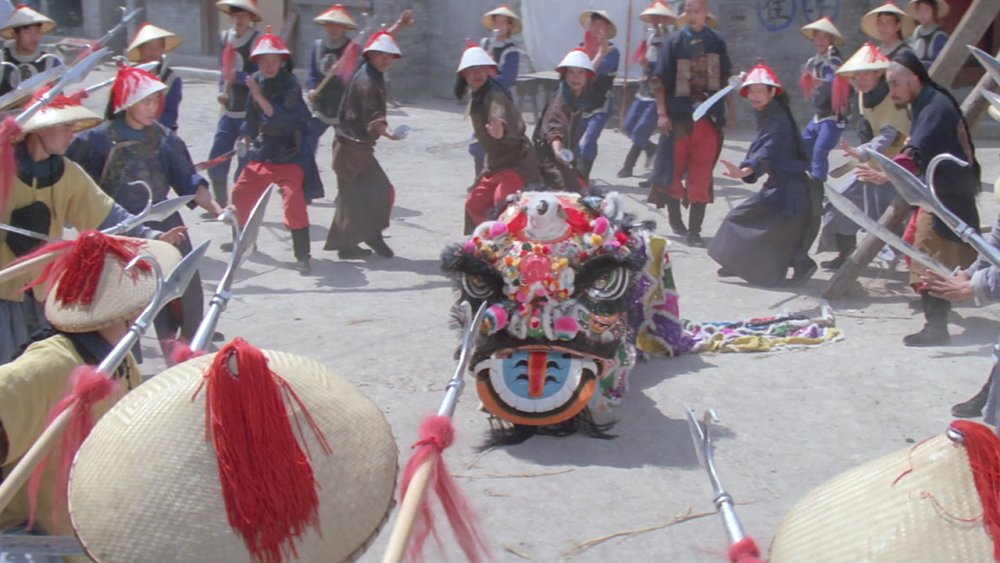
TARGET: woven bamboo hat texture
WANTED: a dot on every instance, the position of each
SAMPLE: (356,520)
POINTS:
(503,10)
(336,14)
(869,25)
(586,15)
(710,21)
(883,511)
(942,8)
(25,16)
(657,9)
(868,57)
(149,32)
(146,484)
(825,25)
(83,298)
(226,6)
(63,110)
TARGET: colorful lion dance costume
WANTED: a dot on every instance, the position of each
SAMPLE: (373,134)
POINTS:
(576,289)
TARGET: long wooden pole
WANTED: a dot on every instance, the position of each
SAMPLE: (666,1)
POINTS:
(628,57)
(403,529)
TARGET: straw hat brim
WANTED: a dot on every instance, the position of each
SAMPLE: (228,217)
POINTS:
(145,487)
(172,42)
(585,21)
(869,26)
(657,10)
(862,515)
(710,21)
(823,25)
(119,296)
(8,31)
(942,8)
(225,5)
(502,11)
(860,61)
(80,117)
(336,17)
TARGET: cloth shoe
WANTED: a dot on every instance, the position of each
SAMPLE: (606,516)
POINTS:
(935,331)
(353,253)
(380,247)
(630,160)
(300,246)
(696,216)
(674,217)
(973,408)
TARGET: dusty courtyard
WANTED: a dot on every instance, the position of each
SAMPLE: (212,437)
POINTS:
(790,419)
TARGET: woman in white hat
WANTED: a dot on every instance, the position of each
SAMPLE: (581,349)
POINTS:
(48,193)
(23,55)
(86,324)
(640,122)
(884,128)
(928,39)
(604,58)
(151,44)
(822,133)
(511,165)
(890,26)
(364,192)
(557,133)
(761,238)
(131,144)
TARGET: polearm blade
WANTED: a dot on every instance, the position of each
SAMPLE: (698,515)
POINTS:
(27,233)
(28,87)
(73,75)
(914,191)
(701,435)
(242,246)
(119,27)
(95,87)
(153,213)
(873,227)
(702,109)
(470,340)
(991,64)
(166,291)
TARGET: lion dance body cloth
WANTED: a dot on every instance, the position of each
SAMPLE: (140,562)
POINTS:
(576,290)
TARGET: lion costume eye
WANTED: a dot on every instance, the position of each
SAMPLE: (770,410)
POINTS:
(610,285)
(476,287)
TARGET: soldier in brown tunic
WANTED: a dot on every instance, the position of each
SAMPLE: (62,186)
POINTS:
(557,134)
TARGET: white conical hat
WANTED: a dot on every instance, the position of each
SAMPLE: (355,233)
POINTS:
(474,55)
(133,85)
(383,42)
(760,74)
(585,21)
(657,8)
(868,57)
(336,14)
(62,110)
(246,5)
(942,8)
(869,26)
(710,21)
(23,16)
(576,58)
(503,10)
(149,32)
(824,24)
(269,44)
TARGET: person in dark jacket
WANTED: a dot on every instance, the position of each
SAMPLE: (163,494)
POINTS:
(822,133)
(761,238)
(890,26)
(605,58)
(557,133)
(23,56)
(928,39)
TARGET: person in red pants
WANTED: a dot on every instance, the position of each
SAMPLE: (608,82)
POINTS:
(276,121)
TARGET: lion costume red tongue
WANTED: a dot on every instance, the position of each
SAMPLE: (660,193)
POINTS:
(537,368)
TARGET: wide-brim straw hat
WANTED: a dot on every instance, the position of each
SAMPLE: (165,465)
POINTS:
(878,512)
(710,21)
(503,11)
(868,57)
(657,9)
(149,32)
(869,21)
(336,14)
(825,25)
(119,296)
(24,16)
(225,6)
(585,21)
(78,116)
(942,8)
(145,485)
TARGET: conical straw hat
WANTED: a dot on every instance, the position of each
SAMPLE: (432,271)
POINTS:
(145,485)
(942,8)
(24,16)
(503,10)
(823,24)
(149,32)
(869,26)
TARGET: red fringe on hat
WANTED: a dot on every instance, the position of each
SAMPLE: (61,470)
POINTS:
(436,434)
(808,84)
(10,131)
(267,481)
(128,79)
(745,551)
(841,95)
(87,387)
(229,62)
(78,270)
(61,101)
(640,52)
(983,447)
(348,62)
(590,43)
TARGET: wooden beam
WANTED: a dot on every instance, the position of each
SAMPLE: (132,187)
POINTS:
(975,104)
(977,19)
(892,219)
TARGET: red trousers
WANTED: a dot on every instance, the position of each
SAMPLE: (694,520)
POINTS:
(257,176)
(490,193)
(694,156)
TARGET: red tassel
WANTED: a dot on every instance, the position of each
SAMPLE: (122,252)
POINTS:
(590,44)
(640,52)
(436,434)
(79,269)
(87,387)
(808,84)
(841,95)
(983,447)
(180,352)
(349,61)
(10,131)
(745,551)
(267,481)
(229,62)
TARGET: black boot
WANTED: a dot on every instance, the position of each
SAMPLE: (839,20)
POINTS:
(585,166)
(479,164)
(630,160)
(845,247)
(695,218)
(675,218)
(973,408)
(935,331)
(650,151)
(300,246)
(221,193)
(380,247)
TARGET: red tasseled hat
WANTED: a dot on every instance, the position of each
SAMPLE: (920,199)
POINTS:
(132,85)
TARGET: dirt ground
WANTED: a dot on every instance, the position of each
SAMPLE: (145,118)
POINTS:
(790,419)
